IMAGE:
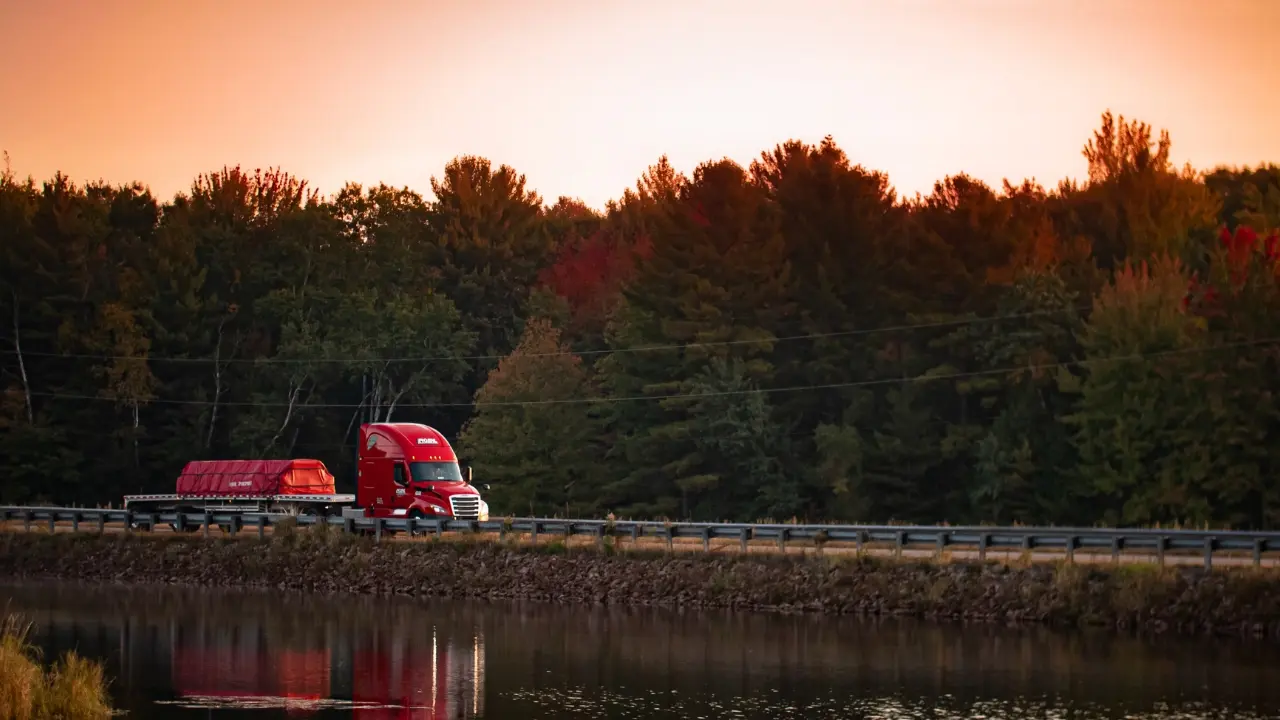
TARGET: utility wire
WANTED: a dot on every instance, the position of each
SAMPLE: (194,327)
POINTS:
(926,377)
(960,322)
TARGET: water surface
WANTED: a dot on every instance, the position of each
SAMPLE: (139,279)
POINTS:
(188,653)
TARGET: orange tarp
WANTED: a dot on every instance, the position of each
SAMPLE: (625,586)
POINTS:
(306,477)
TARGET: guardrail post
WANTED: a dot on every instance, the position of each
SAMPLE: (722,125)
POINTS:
(1161,544)
(1026,547)
(1257,552)
(533,533)
(26,521)
(899,541)
(941,543)
(262,527)
(1072,543)
(671,538)
(743,535)
(706,539)
(53,523)
(348,525)
(1210,544)
(1117,544)
(377,529)
(600,537)
(206,523)
(75,522)
(128,521)
(859,539)
(983,541)
(635,535)
(102,523)
(782,540)
(234,527)
(440,523)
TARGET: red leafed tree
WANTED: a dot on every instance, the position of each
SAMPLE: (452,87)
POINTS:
(1248,262)
(589,273)
(1243,254)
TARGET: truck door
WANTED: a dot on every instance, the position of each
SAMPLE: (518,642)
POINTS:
(377,488)
(402,494)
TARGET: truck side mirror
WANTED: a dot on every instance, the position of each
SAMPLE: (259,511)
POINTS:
(468,474)
(486,487)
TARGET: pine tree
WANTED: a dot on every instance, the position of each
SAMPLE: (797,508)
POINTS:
(717,274)
(532,435)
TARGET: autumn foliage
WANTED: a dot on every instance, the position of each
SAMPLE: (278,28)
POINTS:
(589,274)
(789,338)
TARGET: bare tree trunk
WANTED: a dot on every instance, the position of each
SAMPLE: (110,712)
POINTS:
(22,364)
(352,423)
(217,383)
(392,407)
(354,416)
(288,414)
(378,414)
(137,460)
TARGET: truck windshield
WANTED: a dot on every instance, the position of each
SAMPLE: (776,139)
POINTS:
(435,472)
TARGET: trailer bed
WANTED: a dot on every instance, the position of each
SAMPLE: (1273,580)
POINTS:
(175,498)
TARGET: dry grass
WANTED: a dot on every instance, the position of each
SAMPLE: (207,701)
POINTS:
(74,688)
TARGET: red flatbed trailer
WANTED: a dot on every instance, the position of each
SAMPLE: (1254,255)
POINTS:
(289,486)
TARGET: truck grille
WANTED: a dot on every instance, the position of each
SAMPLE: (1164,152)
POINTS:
(465,506)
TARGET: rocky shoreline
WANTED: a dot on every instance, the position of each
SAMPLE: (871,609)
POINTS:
(1144,598)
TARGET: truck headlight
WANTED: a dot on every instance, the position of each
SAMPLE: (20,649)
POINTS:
(437,510)
(484,511)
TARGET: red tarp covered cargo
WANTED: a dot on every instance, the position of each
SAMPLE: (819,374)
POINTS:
(255,478)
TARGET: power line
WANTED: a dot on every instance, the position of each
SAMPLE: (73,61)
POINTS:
(726,393)
(960,322)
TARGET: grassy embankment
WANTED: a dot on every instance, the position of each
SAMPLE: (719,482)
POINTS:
(74,688)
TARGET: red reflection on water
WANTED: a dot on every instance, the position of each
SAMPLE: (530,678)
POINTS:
(418,680)
(388,675)
(231,671)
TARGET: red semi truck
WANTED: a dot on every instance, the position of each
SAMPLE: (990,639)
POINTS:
(402,470)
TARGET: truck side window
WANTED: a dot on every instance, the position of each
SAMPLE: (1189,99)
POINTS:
(399,476)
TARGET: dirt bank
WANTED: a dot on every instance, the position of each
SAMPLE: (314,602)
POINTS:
(1148,598)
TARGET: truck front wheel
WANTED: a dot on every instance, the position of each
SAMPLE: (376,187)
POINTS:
(416,515)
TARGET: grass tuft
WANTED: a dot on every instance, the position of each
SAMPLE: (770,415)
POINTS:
(74,688)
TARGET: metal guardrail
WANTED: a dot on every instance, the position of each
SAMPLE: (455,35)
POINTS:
(977,538)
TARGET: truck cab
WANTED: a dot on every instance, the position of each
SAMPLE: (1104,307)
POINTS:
(410,470)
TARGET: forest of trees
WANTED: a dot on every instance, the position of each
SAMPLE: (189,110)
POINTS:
(785,340)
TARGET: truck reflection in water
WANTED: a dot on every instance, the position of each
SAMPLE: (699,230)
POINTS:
(378,674)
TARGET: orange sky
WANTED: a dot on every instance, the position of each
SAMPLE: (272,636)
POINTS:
(582,95)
